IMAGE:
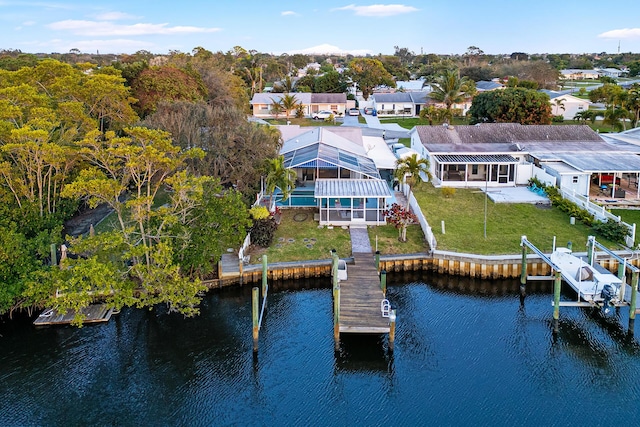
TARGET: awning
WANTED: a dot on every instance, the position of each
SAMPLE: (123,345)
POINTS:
(475,158)
(598,162)
(337,188)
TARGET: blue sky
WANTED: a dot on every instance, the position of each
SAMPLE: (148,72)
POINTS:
(303,26)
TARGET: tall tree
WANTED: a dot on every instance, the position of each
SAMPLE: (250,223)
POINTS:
(408,169)
(289,103)
(449,88)
(558,103)
(369,73)
(511,105)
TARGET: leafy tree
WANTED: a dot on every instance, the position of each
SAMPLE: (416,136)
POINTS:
(164,84)
(511,105)
(449,88)
(330,82)
(633,104)
(400,217)
(558,103)
(435,114)
(278,176)
(583,116)
(369,73)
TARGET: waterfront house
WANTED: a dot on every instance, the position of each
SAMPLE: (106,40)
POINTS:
(574,157)
(347,175)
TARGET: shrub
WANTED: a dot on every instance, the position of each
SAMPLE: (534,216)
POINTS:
(262,231)
(448,192)
(259,212)
(611,230)
(557,119)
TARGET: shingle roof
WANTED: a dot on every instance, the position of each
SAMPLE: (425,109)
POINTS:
(392,97)
(491,133)
(328,98)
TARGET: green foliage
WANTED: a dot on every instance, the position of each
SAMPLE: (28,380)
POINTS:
(448,192)
(611,230)
(557,119)
(368,73)
(511,105)
(262,231)
(259,212)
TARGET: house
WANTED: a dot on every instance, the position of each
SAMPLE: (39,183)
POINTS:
(311,102)
(347,175)
(611,72)
(485,86)
(577,74)
(566,105)
(400,103)
(509,154)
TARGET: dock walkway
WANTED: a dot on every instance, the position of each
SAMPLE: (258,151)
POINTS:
(360,294)
(95,313)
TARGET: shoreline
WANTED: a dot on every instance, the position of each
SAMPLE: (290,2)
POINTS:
(442,262)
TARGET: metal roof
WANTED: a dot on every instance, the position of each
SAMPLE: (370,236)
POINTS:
(597,162)
(326,156)
(475,158)
(337,188)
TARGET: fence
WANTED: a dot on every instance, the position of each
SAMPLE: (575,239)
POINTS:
(599,213)
(426,229)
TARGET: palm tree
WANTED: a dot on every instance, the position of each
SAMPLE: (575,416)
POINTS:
(634,104)
(559,103)
(409,168)
(276,108)
(278,176)
(449,88)
(288,103)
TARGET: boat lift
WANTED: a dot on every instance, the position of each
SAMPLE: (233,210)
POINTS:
(557,277)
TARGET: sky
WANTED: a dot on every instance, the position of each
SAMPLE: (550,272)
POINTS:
(326,26)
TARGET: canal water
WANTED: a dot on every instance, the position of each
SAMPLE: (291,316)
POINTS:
(467,353)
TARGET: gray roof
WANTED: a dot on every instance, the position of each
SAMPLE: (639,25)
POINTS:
(597,162)
(492,133)
(337,188)
(487,85)
(392,97)
(328,98)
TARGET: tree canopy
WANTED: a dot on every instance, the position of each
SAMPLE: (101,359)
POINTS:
(511,105)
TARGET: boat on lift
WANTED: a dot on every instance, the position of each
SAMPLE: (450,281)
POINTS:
(598,287)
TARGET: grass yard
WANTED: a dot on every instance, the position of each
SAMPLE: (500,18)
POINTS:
(388,243)
(630,216)
(463,214)
(298,238)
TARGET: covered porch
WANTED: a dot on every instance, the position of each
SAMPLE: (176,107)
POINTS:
(354,201)
(475,170)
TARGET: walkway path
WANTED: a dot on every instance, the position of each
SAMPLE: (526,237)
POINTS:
(360,240)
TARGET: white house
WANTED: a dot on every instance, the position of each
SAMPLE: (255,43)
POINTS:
(566,105)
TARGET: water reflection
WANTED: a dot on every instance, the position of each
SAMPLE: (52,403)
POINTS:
(467,352)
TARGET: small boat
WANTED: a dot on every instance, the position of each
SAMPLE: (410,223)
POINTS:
(600,288)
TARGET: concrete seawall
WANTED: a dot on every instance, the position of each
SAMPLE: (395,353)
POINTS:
(442,262)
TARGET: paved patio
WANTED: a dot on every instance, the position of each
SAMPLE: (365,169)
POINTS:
(515,195)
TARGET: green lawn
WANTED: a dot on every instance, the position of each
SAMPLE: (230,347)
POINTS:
(386,239)
(630,216)
(463,215)
(289,243)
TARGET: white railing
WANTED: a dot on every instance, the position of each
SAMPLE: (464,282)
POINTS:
(244,247)
(599,212)
(424,224)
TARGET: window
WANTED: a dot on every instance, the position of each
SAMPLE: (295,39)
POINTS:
(474,169)
(580,107)
(334,107)
(575,180)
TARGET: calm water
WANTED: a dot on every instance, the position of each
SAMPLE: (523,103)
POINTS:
(467,354)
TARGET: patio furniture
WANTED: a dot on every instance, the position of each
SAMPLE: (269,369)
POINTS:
(603,190)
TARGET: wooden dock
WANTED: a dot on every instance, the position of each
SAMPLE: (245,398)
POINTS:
(95,313)
(360,298)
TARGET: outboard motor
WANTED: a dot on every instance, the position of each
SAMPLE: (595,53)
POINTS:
(608,293)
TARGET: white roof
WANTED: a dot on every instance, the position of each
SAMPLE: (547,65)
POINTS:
(406,152)
(295,140)
(379,152)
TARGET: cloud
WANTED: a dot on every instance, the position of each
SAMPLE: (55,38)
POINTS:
(114,16)
(330,49)
(379,10)
(623,33)
(288,13)
(107,28)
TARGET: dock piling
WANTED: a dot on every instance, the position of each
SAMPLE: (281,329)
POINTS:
(336,319)
(378,260)
(523,271)
(392,329)
(634,295)
(256,328)
(556,299)
(383,282)
(264,274)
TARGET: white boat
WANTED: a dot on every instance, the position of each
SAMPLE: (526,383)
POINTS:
(593,286)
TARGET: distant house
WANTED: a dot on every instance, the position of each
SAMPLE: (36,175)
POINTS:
(410,85)
(577,74)
(566,105)
(311,102)
(509,154)
(611,72)
(485,86)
